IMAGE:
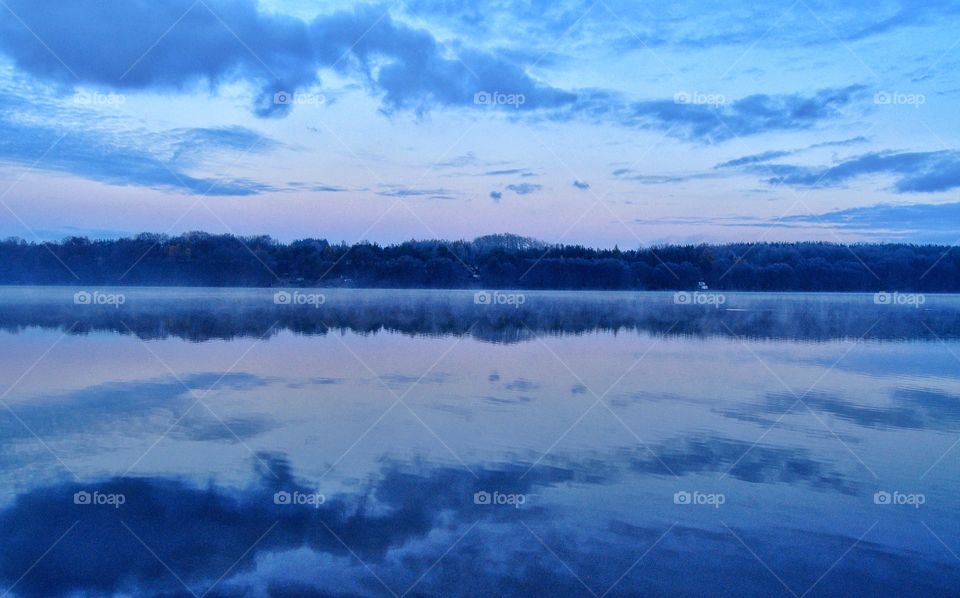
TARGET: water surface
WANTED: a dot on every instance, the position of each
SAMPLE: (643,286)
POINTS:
(418,442)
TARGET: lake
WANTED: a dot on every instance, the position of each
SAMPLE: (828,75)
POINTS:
(336,442)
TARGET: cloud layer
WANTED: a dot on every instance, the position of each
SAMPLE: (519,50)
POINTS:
(914,172)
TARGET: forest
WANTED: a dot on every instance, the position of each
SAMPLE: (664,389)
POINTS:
(490,262)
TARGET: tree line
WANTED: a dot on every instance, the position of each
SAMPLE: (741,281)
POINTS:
(495,261)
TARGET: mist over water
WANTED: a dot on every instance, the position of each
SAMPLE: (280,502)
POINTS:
(348,442)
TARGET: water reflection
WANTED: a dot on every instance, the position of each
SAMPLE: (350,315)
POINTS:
(170,538)
(204,314)
(610,443)
(907,408)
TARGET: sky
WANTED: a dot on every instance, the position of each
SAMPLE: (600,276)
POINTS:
(601,122)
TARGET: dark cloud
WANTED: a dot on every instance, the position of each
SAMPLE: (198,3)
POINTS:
(180,44)
(626,25)
(934,222)
(716,122)
(496,195)
(751,115)
(109,44)
(421,72)
(193,145)
(907,14)
(915,172)
(316,188)
(471,159)
(160,163)
(582,185)
(755,158)
(507,172)
(841,143)
(167,45)
(744,162)
(662,179)
(774,154)
(428,193)
(524,188)
(467,159)
(521,384)
(926,223)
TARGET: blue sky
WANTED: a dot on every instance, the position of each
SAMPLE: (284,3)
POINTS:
(600,122)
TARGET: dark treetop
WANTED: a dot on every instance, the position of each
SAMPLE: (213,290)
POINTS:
(495,261)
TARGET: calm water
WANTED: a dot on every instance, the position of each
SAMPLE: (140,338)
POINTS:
(177,442)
